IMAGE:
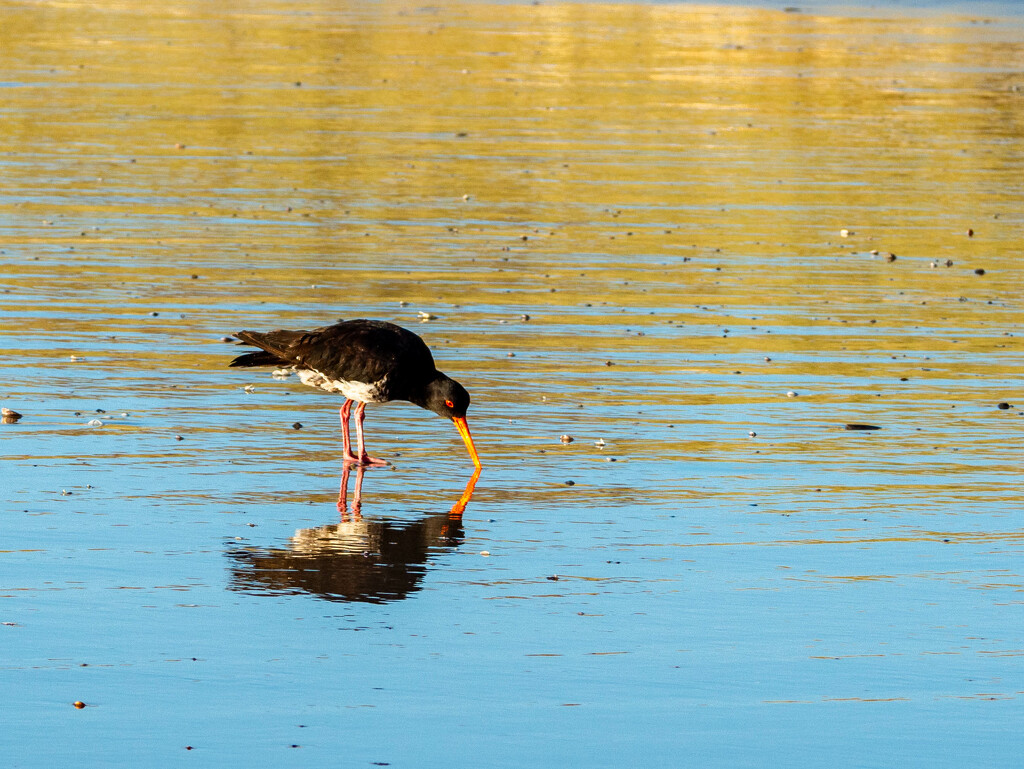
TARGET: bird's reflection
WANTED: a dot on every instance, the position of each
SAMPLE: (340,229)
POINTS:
(367,559)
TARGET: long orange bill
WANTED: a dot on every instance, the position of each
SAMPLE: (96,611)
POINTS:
(463,428)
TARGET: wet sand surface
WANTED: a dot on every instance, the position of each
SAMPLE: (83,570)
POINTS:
(663,231)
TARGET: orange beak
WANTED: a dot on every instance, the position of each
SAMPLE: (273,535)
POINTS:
(463,428)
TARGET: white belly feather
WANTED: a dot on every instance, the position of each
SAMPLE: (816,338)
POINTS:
(372,392)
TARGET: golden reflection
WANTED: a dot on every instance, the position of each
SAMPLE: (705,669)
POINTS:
(364,559)
(692,198)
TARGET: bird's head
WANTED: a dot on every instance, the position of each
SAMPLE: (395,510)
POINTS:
(446,397)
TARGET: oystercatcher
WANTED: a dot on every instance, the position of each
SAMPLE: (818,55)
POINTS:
(367,361)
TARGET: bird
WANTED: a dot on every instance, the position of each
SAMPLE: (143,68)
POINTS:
(367,361)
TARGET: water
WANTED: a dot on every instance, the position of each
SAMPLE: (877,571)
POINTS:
(663,191)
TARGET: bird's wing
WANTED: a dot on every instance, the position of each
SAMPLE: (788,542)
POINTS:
(356,350)
(366,351)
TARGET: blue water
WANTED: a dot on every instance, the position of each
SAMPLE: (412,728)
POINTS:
(726,609)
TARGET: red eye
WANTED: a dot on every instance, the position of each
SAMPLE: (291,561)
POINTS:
(449,404)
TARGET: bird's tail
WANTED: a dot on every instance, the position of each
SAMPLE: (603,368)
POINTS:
(273,349)
(261,358)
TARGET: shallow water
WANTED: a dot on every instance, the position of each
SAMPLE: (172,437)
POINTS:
(731,579)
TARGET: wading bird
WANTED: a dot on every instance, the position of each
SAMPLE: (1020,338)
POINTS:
(367,361)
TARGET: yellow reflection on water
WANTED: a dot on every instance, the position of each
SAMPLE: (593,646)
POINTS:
(672,194)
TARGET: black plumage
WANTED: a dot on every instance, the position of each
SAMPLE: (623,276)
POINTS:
(367,361)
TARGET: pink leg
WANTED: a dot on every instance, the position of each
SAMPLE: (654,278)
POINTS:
(364,458)
(346,441)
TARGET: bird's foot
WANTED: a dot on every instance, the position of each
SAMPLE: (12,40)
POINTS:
(364,461)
